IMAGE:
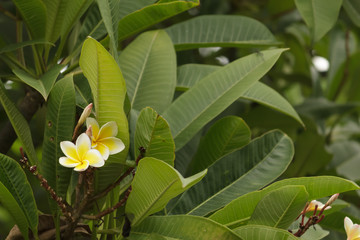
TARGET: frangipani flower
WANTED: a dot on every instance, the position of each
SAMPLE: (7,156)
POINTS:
(352,230)
(80,156)
(312,205)
(103,139)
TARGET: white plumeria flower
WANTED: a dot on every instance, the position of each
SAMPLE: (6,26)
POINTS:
(80,156)
(103,139)
(352,230)
(312,205)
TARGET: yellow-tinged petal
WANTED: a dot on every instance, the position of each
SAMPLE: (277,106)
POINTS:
(69,149)
(352,230)
(95,126)
(83,145)
(82,166)
(94,158)
(104,150)
(109,129)
(347,224)
(68,162)
(115,145)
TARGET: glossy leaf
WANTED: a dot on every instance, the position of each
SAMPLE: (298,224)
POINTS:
(215,92)
(280,207)
(108,89)
(319,15)
(10,204)
(248,169)
(220,31)
(59,127)
(152,14)
(257,232)
(190,74)
(14,179)
(154,185)
(186,227)
(153,134)
(149,67)
(42,85)
(33,13)
(19,124)
(225,136)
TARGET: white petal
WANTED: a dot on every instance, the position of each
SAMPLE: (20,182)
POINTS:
(94,158)
(68,162)
(104,150)
(83,145)
(348,225)
(94,125)
(115,145)
(69,149)
(109,129)
(82,166)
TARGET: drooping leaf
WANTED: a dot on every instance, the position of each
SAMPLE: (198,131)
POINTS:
(319,15)
(108,89)
(220,31)
(258,232)
(59,127)
(33,13)
(19,124)
(11,205)
(182,227)
(152,14)
(352,8)
(14,180)
(225,136)
(83,91)
(212,94)
(42,85)
(153,134)
(248,169)
(280,207)
(190,74)
(154,185)
(15,46)
(149,67)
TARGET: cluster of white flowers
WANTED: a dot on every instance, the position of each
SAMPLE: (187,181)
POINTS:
(91,150)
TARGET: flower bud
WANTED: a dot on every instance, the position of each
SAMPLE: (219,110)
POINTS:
(332,199)
(85,114)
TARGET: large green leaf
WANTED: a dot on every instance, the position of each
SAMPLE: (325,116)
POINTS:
(182,227)
(215,92)
(154,185)
(190,74)
(225,136)
(15,46)
(235,213)
(153,133)
(60,118)
(11,205)
(19,124)
(42,85)
(279,208)
(257,232)
(152,14)
(352,8)
(248,169)
(14,179)
(149,67)
(108,89)
(319,15)
(222,31)
(33,13)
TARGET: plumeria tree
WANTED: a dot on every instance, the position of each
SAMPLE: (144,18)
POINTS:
(144,119)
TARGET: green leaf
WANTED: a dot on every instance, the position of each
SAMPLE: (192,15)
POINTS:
(59,127)
(14,179)
(220,31)
(280,207)
(42,85)
(319,15)
(248,169)
(149,67)
(108,89)
(182,227)
(154,185)
(83,91)
(15,46)
(150,15)
(255,232)
(214,93)
(11,205)
(235,214)
(19,124)
(225,136)
(153,133)
(352,8)
(190,74)
(33,12)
